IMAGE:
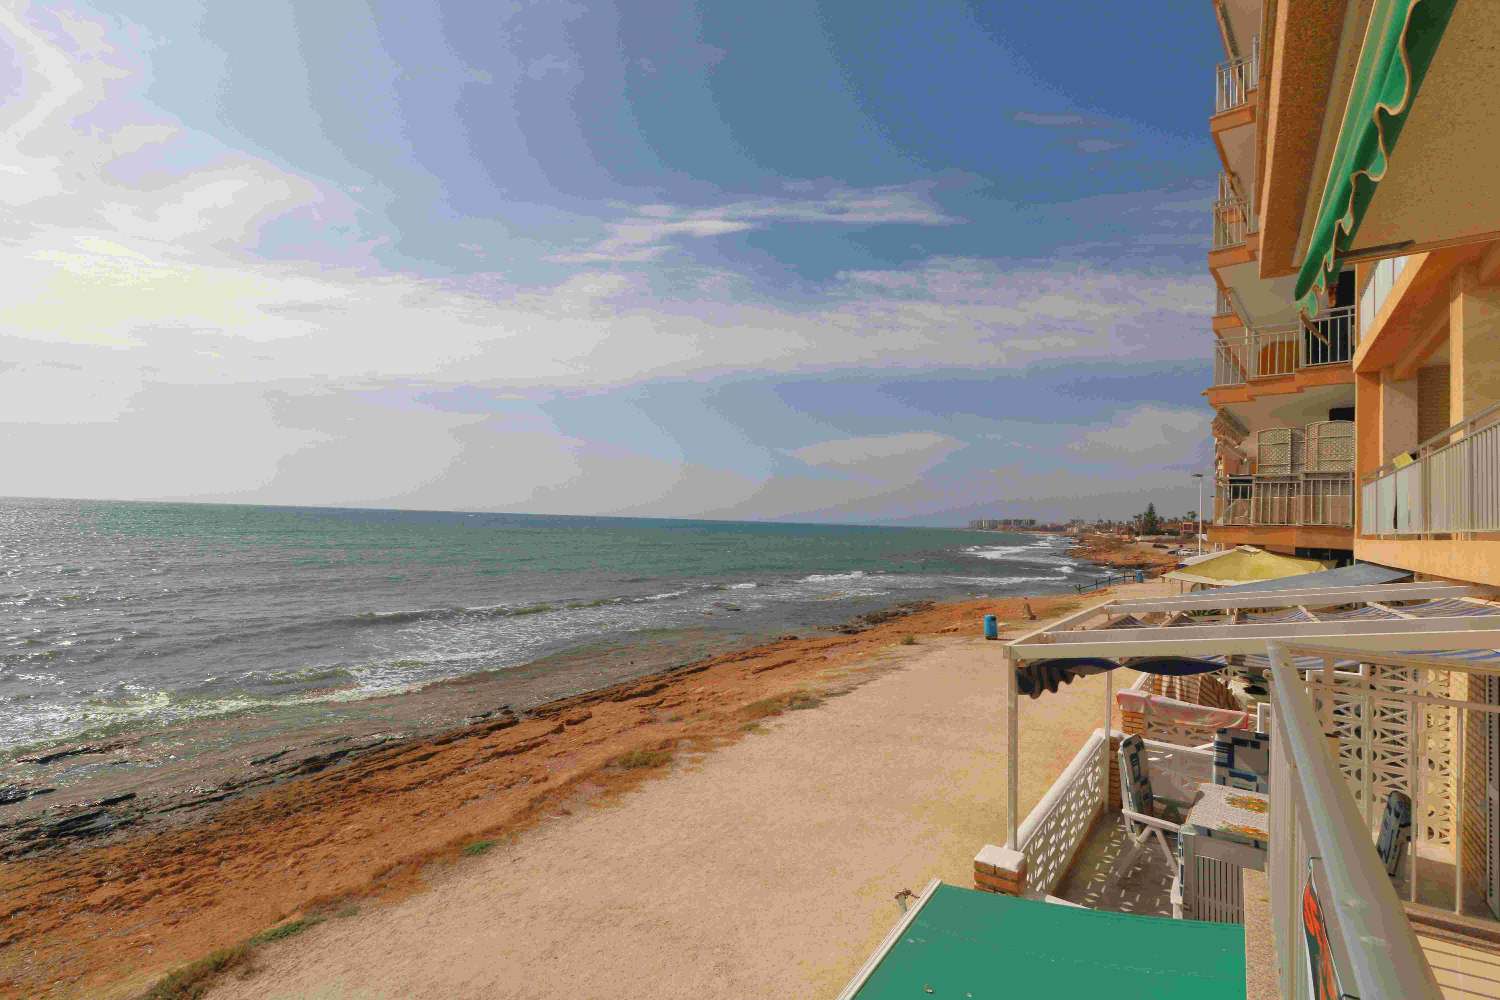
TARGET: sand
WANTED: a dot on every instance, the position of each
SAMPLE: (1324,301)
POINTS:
(764,869)
(107,916)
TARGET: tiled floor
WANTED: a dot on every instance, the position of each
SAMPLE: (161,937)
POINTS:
(1463,972)
(1146,888)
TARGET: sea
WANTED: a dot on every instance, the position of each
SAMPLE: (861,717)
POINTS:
(121,615)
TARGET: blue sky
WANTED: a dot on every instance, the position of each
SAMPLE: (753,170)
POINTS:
(829,261)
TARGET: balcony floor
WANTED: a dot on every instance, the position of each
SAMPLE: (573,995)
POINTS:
(1146,889)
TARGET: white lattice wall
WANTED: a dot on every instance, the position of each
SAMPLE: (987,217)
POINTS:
(1378,758)
(1053,831)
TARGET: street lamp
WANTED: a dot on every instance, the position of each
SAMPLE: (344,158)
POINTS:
(1199,476)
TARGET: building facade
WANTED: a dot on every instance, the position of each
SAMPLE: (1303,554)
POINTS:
(1283,386)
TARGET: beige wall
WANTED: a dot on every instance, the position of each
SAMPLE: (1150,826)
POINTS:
(1473,560)
(1432,401)
(1398,415)
(1473,344)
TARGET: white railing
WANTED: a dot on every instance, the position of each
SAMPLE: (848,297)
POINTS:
(1329,339)
(1236,79)
(1452,487)
(1052,832)
(1223,303)
(1233,222)
(1319,841)
(1321,499)
(1232,360)
(1328,499)
(1378,289)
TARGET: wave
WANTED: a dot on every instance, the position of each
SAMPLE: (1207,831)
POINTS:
(857,574)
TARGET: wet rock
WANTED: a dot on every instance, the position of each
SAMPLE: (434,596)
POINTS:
(76,750)
(19,793)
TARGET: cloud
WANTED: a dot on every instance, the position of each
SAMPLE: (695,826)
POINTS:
(1149,434)
(648,231)
(1098,145)
(858,451)
(1048,120)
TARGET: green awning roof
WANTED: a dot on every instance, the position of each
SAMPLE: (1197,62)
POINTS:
(964,943)
(1399,44)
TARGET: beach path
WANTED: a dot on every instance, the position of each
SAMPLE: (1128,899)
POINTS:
(766,868)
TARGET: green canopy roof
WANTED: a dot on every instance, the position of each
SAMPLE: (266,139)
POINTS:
(1399,44)
(964,943)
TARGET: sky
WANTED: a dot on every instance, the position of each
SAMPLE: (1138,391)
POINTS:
(819,261)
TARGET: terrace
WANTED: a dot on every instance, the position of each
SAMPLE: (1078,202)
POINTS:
(1450,485)
(1422,722)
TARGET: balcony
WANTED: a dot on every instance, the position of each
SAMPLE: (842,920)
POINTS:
(1382,281)
(1233,222)
(1329,339)
(1451,487)
(1236,79)
(1223,303)
(1301,500)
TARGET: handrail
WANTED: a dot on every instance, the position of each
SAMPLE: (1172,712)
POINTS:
(1467,426)
(1266,352)
(1383,953)
(1235,79)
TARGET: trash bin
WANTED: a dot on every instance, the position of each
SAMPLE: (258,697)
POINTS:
(1140,576)
(991,627)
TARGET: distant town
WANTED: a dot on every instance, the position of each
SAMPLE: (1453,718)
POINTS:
(1142,524)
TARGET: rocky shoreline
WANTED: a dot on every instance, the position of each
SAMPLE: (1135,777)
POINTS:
(103,896)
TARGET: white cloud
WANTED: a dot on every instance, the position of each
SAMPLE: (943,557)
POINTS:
(648,231)
(1049,120)
(1149,434)
(863,450)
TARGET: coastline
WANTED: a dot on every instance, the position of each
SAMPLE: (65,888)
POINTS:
(311,830)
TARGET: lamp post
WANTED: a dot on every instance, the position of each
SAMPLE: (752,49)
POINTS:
(1199,476)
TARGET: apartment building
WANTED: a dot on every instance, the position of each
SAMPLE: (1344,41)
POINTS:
(1283,387)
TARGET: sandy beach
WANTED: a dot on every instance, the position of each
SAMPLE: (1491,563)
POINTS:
(688,833)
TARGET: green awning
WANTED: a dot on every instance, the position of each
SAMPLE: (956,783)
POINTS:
(964,943)
(1400,42)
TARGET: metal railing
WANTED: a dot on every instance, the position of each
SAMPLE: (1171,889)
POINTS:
(1115,579)
(1236,79)
(1382,280)
(1233,222)
(1451,487)
(1327,883)
(1311,499)
(1223,303)
(1329,339)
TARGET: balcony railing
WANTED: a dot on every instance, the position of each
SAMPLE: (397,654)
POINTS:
(1233,222)
(1328,340)
(1324,499)
(1327,883)
(1382,279)
(1452,486)
(1223,304)
(1236,79)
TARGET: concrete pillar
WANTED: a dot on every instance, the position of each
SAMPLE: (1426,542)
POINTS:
(1398,415)
(1367,457)
(1473,344)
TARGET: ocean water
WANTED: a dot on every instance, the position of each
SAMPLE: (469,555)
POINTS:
(138,614)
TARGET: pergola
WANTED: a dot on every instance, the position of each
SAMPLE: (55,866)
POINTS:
(1386,618)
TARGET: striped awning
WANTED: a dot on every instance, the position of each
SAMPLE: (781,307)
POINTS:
(1401,39)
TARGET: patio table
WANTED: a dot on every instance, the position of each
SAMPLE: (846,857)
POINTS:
(1226,830)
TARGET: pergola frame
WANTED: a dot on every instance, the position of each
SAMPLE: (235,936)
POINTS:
(1065,638)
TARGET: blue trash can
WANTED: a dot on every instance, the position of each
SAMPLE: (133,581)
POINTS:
(1140,576)
(991,627)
